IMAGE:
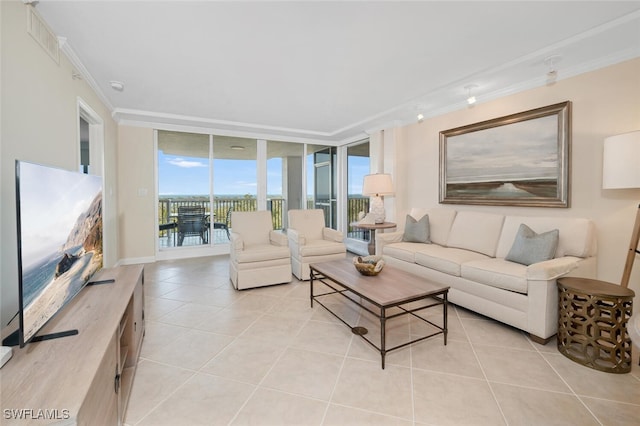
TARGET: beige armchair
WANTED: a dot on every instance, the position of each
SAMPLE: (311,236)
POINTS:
(259,255)
(311,241)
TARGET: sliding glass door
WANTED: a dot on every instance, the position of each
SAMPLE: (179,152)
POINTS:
(322,181)
(183,189)
(235,182)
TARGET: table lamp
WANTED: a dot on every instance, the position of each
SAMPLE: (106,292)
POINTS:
(621,169)
(375,186)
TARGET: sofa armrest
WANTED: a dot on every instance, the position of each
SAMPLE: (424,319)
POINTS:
(383,238)
(553,268)
(295,237)
(332,235)
(277,238)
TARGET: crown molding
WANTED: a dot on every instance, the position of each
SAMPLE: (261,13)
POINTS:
(208,128)
(80,68)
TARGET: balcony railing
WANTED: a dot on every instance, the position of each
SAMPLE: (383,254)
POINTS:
(168,210)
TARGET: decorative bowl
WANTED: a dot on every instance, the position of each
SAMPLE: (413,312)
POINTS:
(368,265)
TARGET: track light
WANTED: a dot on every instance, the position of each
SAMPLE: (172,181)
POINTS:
(552,70)
(471,100)
(420,118)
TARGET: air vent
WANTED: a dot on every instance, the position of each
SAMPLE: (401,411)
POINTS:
(42,34)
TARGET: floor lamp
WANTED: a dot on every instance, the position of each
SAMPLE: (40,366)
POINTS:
(621,169)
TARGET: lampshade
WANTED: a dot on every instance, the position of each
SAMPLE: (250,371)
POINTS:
(621,161)
(377,184)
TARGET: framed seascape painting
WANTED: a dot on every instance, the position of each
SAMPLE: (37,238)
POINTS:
(522,159)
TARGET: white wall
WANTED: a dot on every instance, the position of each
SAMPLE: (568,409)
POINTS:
(605,102)
(136,212)
(39,124)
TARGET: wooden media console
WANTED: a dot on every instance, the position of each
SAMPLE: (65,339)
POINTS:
(84,379)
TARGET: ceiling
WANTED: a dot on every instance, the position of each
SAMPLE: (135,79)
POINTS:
(327,71)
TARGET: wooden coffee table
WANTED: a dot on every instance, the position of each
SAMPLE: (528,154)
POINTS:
(392,288)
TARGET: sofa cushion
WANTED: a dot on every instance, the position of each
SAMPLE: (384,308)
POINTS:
(577,235)
(402,251)
(416,231)
(530,247)
(445,259)
(497,273)
(440,221)
(476,231)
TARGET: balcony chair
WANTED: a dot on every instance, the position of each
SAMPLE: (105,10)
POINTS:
(259,255)
(311,241)
(192,222)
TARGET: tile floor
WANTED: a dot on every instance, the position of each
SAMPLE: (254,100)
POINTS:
(216,356)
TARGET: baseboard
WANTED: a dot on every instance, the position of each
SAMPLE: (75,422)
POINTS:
(135,260)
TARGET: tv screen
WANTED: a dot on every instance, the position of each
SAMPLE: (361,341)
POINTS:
(59,218)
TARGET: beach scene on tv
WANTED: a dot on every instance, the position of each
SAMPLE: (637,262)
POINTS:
(518,161)
(61,239)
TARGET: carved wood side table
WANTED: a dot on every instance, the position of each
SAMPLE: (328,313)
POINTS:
(592,323)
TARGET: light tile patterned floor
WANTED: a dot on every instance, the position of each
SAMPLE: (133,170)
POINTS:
(216,356)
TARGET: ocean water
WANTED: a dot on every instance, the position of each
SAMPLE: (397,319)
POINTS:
(36,277)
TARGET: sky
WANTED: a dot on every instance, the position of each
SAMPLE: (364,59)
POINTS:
(524,150)
(51,200)
(190,176)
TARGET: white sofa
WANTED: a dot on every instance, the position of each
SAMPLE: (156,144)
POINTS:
(468,250)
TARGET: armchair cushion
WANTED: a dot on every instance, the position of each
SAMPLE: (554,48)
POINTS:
(308,223)
(254,227)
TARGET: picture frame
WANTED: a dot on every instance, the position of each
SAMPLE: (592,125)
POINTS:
(521,159)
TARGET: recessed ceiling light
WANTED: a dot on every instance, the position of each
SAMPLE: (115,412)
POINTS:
(117,85)
(237,147)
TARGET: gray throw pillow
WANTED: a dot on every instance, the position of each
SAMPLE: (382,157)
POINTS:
(529,247)
(417,231)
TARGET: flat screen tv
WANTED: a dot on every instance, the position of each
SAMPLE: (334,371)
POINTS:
(59,223)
